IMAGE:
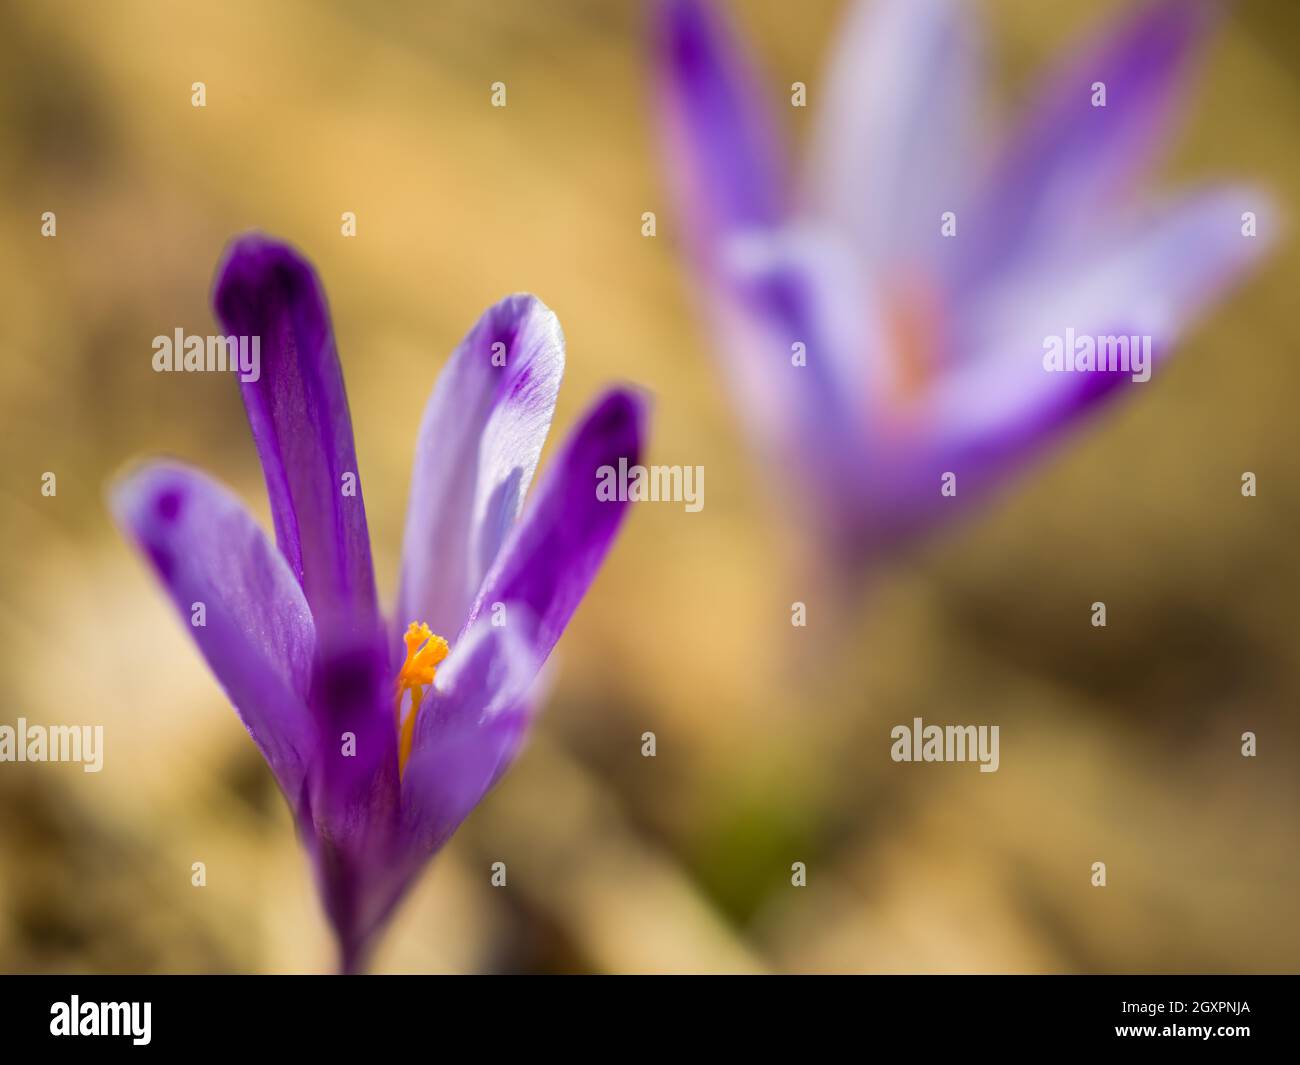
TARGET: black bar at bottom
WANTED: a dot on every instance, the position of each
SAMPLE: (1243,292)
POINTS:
(611,1015)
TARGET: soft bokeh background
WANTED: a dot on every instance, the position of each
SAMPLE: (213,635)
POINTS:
(1120,744)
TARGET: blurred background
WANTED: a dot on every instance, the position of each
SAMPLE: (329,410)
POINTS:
(1119,744)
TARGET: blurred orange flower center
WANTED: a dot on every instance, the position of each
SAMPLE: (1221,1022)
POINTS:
(913,323)
(424,650)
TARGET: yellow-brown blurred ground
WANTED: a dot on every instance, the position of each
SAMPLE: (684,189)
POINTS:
(1119,744)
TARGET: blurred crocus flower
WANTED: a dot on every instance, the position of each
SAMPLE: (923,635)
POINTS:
(883,316)
(384,737)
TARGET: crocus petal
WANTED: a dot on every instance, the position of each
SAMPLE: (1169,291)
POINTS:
(896,123)
(1151,276)
(470,726)
(482,434)
(1154,281)
(810,362)
(554,551)
(298,411)
(468,730)
(257,633)
(1069,159)
(723,154)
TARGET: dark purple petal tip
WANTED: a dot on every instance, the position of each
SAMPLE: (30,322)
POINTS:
(566,530)
(722,144)
(259,277)
(616,424)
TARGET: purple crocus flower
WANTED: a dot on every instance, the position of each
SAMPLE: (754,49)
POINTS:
(883,316)
(380,759)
